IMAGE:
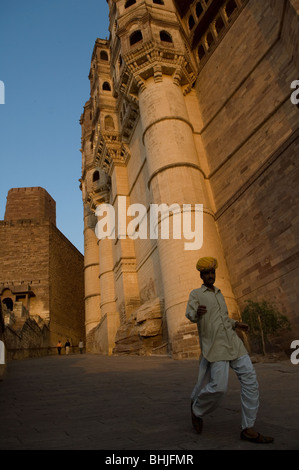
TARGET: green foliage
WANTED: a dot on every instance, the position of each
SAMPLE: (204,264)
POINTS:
(272,320)
(264,319)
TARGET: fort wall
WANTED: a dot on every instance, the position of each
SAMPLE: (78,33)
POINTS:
(250,135)
(41,276)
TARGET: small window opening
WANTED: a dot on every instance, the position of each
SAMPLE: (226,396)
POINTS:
(165,36)
(106,86)
(96,176)
(103,55)
(158,2)
(9,303)
(135,37)
(129,3)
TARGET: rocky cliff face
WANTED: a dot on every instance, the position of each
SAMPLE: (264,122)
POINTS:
(142,334)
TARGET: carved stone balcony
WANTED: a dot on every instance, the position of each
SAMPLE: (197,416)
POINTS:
(100,190)
(152,59)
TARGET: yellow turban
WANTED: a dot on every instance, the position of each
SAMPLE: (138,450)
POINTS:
(206,263)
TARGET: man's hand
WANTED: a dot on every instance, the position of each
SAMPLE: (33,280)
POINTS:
(241,326)
(201,310)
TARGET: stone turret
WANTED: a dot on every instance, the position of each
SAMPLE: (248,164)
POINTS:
(30,203)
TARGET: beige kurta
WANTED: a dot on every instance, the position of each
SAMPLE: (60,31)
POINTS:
(218,339)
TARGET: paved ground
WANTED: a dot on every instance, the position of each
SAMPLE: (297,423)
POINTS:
(93,402)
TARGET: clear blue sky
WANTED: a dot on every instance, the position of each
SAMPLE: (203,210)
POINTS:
(45,53)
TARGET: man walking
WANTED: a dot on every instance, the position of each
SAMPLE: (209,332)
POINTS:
(221,348)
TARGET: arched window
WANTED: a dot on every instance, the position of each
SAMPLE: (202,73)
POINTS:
(96,176)
(198,9)
(106,86)
(109,123)
(191,22)
(9,303)
(135,37)
(129,3)
(165,36)
(103,55)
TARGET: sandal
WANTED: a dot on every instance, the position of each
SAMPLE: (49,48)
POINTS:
(259,439)
(197,422)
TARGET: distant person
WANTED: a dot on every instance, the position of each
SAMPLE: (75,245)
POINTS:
(59,346)
(67,347)
(221,348)
(81,346)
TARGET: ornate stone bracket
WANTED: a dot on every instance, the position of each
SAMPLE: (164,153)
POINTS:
(152,59)
(110,150)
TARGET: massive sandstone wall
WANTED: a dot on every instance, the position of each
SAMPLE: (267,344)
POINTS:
(250,135)
(66,289)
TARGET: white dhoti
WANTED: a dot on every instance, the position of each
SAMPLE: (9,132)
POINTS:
(2,353)
(2,360)
(206,397)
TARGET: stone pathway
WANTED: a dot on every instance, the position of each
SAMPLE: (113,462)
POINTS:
(93,402)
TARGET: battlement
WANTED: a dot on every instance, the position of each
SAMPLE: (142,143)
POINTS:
(30,203)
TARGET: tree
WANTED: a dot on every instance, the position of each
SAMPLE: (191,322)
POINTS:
(264,320)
